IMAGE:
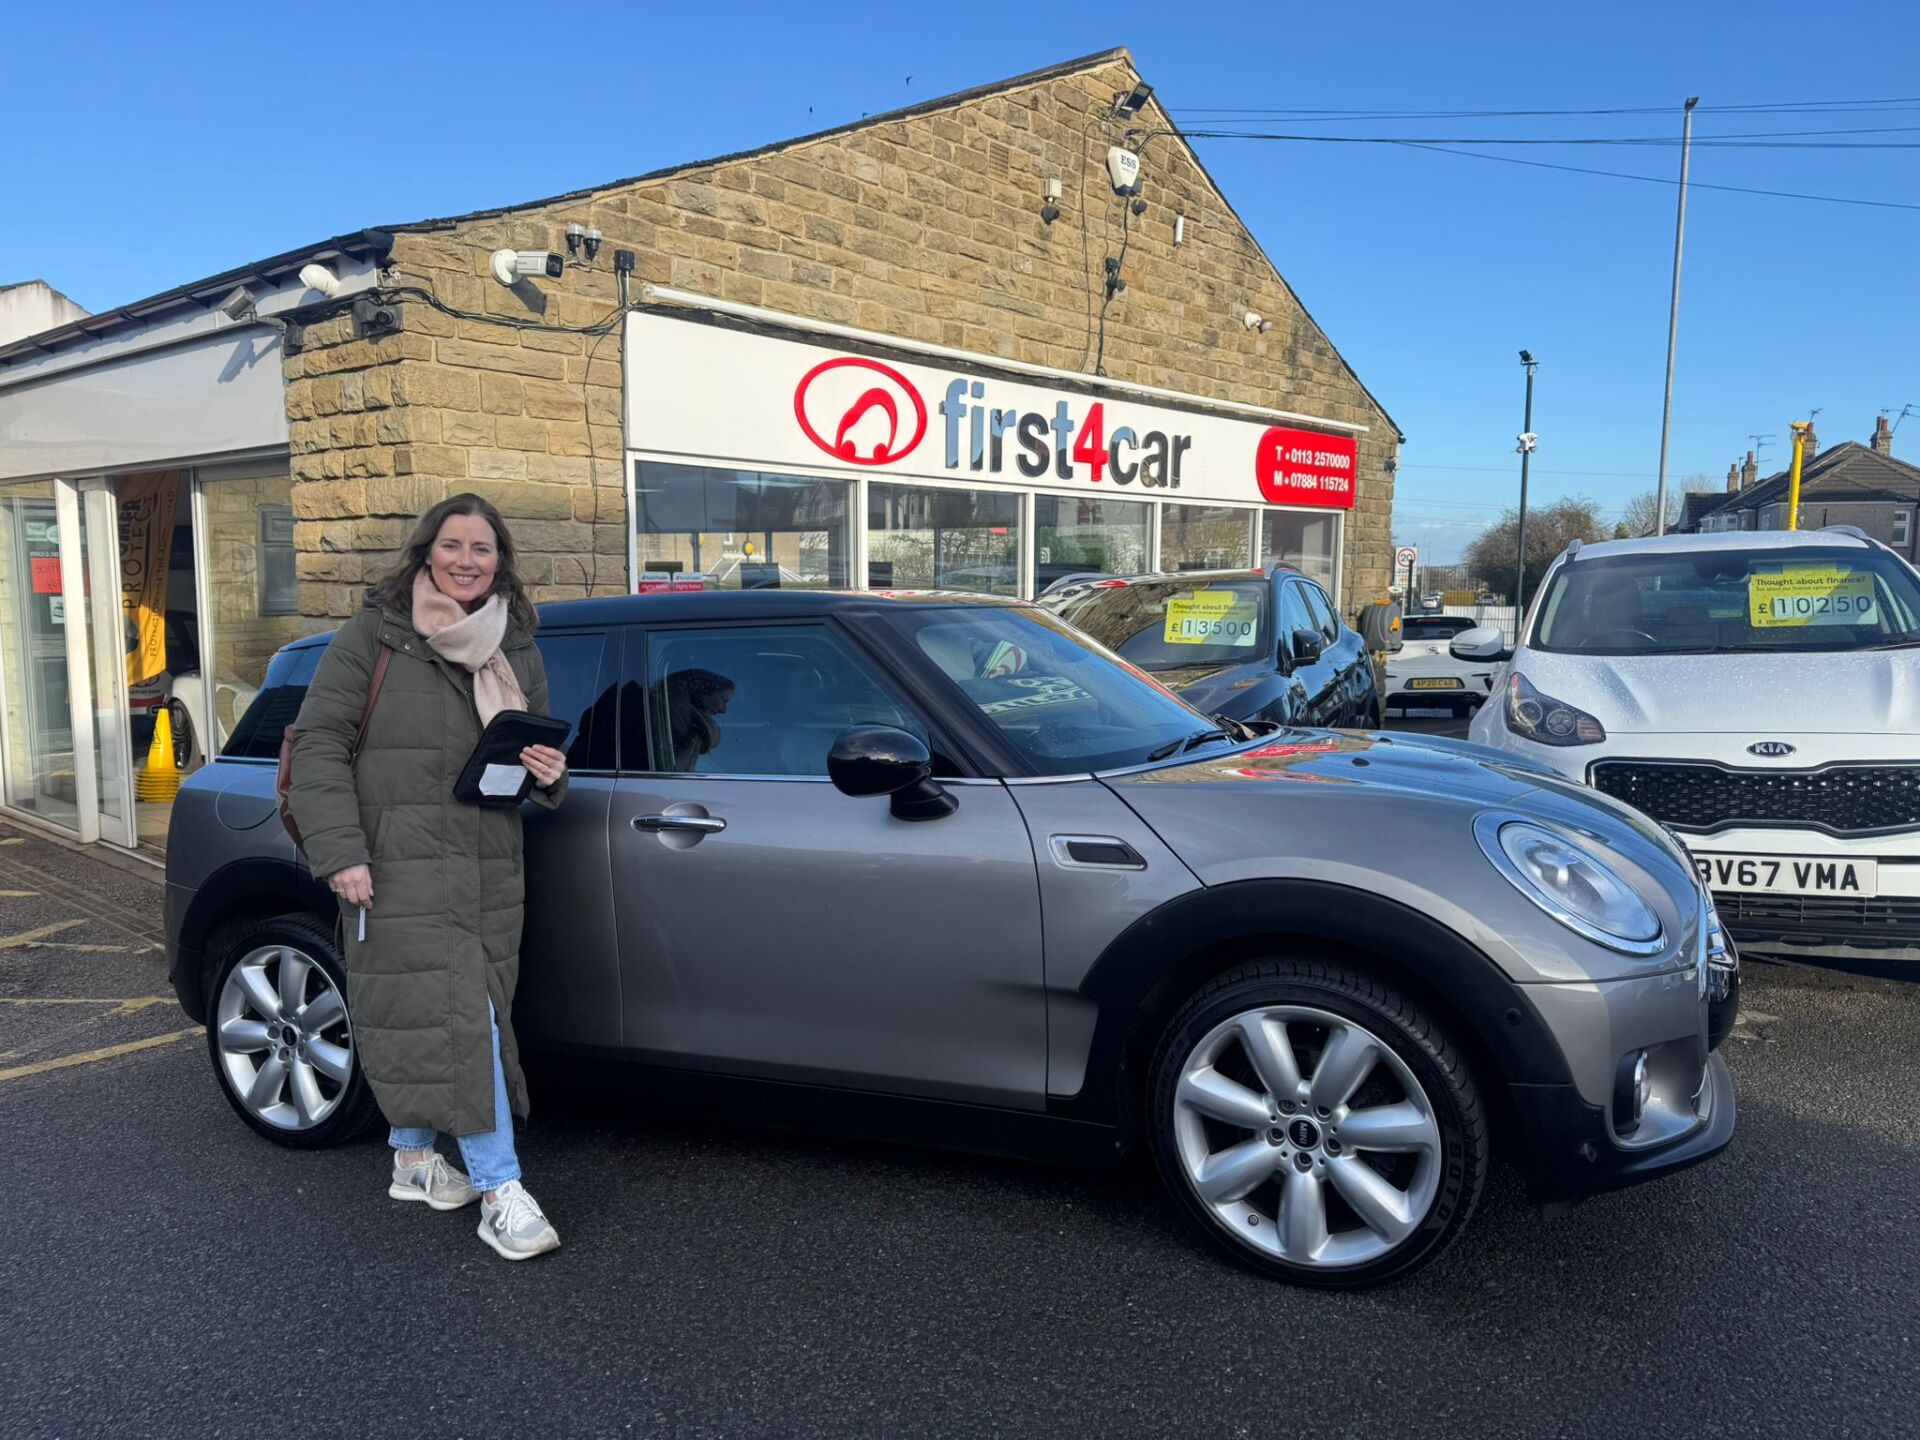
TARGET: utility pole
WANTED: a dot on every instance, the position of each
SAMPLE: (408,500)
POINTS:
(1800,429)
(1527,438)
(1673,315)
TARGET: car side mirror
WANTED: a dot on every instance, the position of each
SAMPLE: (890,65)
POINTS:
(1308,646)
(869,760)
(1484,643)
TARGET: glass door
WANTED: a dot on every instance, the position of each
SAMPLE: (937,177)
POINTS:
(63,751)
(38,775)
(105,627)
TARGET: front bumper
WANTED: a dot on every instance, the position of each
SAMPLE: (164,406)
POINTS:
(1567,1152)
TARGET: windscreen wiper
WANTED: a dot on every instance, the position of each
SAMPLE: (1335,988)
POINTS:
(1199,737)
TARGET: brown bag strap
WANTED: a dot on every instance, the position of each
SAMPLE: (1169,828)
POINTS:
(373,698)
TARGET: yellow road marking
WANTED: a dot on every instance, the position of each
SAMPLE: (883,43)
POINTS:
(18,894)
(88,1057)
(121,1007)
(29,937)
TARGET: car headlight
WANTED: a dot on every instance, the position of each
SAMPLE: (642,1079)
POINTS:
(1547,721)
(1571,884)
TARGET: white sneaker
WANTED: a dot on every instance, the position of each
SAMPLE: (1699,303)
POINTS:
(514,1226)
(431,1180)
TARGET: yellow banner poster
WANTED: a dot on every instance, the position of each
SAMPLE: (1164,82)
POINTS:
(147,506)
(1810,595)
(1212,617)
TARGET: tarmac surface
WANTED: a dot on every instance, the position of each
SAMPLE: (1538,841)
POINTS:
(167,1272)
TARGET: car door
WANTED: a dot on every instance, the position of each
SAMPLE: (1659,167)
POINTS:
(569,972)
(1318,698)
(770,925)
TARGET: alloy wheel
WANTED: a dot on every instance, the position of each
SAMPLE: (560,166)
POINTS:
(285,1043)
(1306,1137)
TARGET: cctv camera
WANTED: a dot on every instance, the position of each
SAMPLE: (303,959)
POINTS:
(1251,319)
(238,304)
(1123,168)
(511,266)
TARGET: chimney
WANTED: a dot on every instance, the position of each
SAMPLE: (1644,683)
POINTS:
(1749,472)
(1813,446)
(1882,437)
(1733,478)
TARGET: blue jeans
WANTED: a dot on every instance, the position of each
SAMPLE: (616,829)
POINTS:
(490,1158)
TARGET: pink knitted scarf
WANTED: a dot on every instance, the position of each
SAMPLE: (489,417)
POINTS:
(471,641)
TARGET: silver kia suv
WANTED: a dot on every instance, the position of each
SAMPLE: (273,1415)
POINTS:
(947,858)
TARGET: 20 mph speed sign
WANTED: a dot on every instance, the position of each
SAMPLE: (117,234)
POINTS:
(1406,557)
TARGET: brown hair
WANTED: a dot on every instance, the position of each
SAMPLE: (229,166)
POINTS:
(396,590)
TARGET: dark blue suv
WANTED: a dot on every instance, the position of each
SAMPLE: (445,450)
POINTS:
(1262,644)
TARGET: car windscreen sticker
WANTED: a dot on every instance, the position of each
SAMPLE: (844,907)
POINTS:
(1810,595)
(1212,617)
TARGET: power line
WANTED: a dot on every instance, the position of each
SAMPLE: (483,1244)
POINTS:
(1724,142)
(1780,107)
(1659,180)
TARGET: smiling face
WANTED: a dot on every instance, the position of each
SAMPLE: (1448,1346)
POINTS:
(464,558)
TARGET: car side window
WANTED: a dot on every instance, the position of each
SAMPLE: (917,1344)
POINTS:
(1324,618)
(760,700)
(1294,614)
(580,691)
(276,706)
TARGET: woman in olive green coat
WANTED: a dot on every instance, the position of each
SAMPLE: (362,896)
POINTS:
(430,983)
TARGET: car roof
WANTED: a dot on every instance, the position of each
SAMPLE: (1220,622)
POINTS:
(736,605)
(1726,540)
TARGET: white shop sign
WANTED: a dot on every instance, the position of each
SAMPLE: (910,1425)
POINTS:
(747,401)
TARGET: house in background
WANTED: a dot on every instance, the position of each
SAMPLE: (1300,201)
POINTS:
(29,306)
(1846,484)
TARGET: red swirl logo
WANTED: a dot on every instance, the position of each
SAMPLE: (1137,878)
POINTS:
(860,402)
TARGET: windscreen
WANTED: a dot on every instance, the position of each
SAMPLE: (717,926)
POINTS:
(1692,602)
(1063,703)
(1174,624)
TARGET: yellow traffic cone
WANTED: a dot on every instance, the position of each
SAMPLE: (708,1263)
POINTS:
(160,781)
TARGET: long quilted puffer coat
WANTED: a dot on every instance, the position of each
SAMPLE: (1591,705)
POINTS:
(443,933)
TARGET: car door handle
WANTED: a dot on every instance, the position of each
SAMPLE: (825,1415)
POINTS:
(699,824)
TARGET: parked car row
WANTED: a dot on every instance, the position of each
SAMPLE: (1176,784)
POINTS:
(953,869)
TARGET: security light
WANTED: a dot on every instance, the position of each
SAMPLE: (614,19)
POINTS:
(1131,102)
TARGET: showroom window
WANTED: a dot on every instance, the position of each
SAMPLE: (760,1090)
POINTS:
(1205,537)
(250,589)
(1303,538)
(1083,534)
(742,529)
(921,538)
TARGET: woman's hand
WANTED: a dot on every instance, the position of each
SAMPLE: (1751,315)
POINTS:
(547,764)
(353,885)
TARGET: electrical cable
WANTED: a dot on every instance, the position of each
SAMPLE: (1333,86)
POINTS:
(1115,284)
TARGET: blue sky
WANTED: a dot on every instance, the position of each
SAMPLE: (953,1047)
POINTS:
(154,145)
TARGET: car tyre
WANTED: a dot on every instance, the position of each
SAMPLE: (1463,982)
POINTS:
(1248,1150)
(280,1037)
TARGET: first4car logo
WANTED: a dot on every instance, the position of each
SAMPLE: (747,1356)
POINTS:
(867,403)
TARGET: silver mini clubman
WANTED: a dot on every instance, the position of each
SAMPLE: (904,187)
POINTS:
(946,869)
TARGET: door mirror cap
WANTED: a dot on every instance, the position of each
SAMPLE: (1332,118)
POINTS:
(1485,643)
(869,760)
(1308,646)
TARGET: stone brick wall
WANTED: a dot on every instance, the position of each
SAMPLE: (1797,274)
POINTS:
(925,227)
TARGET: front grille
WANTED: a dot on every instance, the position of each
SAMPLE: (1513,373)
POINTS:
(1840,799)
(1893,919)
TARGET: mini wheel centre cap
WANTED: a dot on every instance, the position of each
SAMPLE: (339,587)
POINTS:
(1304,1133)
